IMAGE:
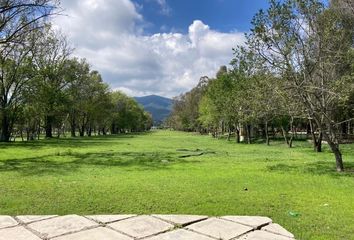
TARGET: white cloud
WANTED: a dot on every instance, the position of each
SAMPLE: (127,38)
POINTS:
(109,33)
(165,9)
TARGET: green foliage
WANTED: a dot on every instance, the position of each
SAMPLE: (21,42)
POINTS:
(207,110)
(185,111)
(295,70)
(42,88)
(128,115)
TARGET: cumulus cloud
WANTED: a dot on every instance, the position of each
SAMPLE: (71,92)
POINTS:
(110,35)
(165,9)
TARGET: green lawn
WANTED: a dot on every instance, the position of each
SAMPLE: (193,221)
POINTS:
(152,173)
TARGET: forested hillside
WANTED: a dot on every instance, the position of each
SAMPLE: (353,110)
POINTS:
(159,107)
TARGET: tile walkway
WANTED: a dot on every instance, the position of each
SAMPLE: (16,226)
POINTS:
(149,227)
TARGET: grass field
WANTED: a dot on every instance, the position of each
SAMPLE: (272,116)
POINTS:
(173,172)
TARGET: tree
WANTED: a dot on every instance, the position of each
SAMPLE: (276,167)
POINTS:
(219,108)
(20,17)
(344,7)
(96,100)
(51,62)
(185,110)
(42,87)
(78,73)
(307,45)
(14,75)
(128,115)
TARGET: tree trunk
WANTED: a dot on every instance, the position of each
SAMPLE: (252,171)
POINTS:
(229,134)
(73,127)
(319,142)
(222,128)
(313,135)
(27,134)
(266,133)
(334,145)
(39,130)
(82,131)
(89,131)
(238,138)
(213,132)
(113,129)
(330,135)
(291,141)
(5,128)
(49,126)
(292,133)
(73,131)
(338,155)
(248,128)
(285,135)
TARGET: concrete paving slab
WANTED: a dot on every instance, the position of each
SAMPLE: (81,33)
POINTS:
(141,226)
(262,235)
(109,218)
(182,220)
(149,227)
(100,233)
(34,218)
(60,225)
(17,233)
(180,234)
(252,221)
(277,229)
(7,221)
(219,228)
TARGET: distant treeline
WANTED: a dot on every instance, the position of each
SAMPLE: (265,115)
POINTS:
(44,90)
(294,73)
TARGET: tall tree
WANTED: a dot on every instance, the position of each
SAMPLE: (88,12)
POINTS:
(19,18)
(307,46)
(51,62)
(15,72)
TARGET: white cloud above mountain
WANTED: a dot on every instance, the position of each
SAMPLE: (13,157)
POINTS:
(110,35)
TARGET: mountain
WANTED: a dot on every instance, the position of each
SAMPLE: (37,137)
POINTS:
(159,107)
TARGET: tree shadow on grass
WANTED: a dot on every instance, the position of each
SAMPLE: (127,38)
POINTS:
(315,168)
(68,162)
(73,142)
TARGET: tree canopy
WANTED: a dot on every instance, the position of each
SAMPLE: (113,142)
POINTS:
(294,73)
(44,89)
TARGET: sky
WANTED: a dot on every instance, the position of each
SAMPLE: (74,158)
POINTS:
(161,47)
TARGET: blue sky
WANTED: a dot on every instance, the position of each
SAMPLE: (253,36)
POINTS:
(161,47)
(221,15)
